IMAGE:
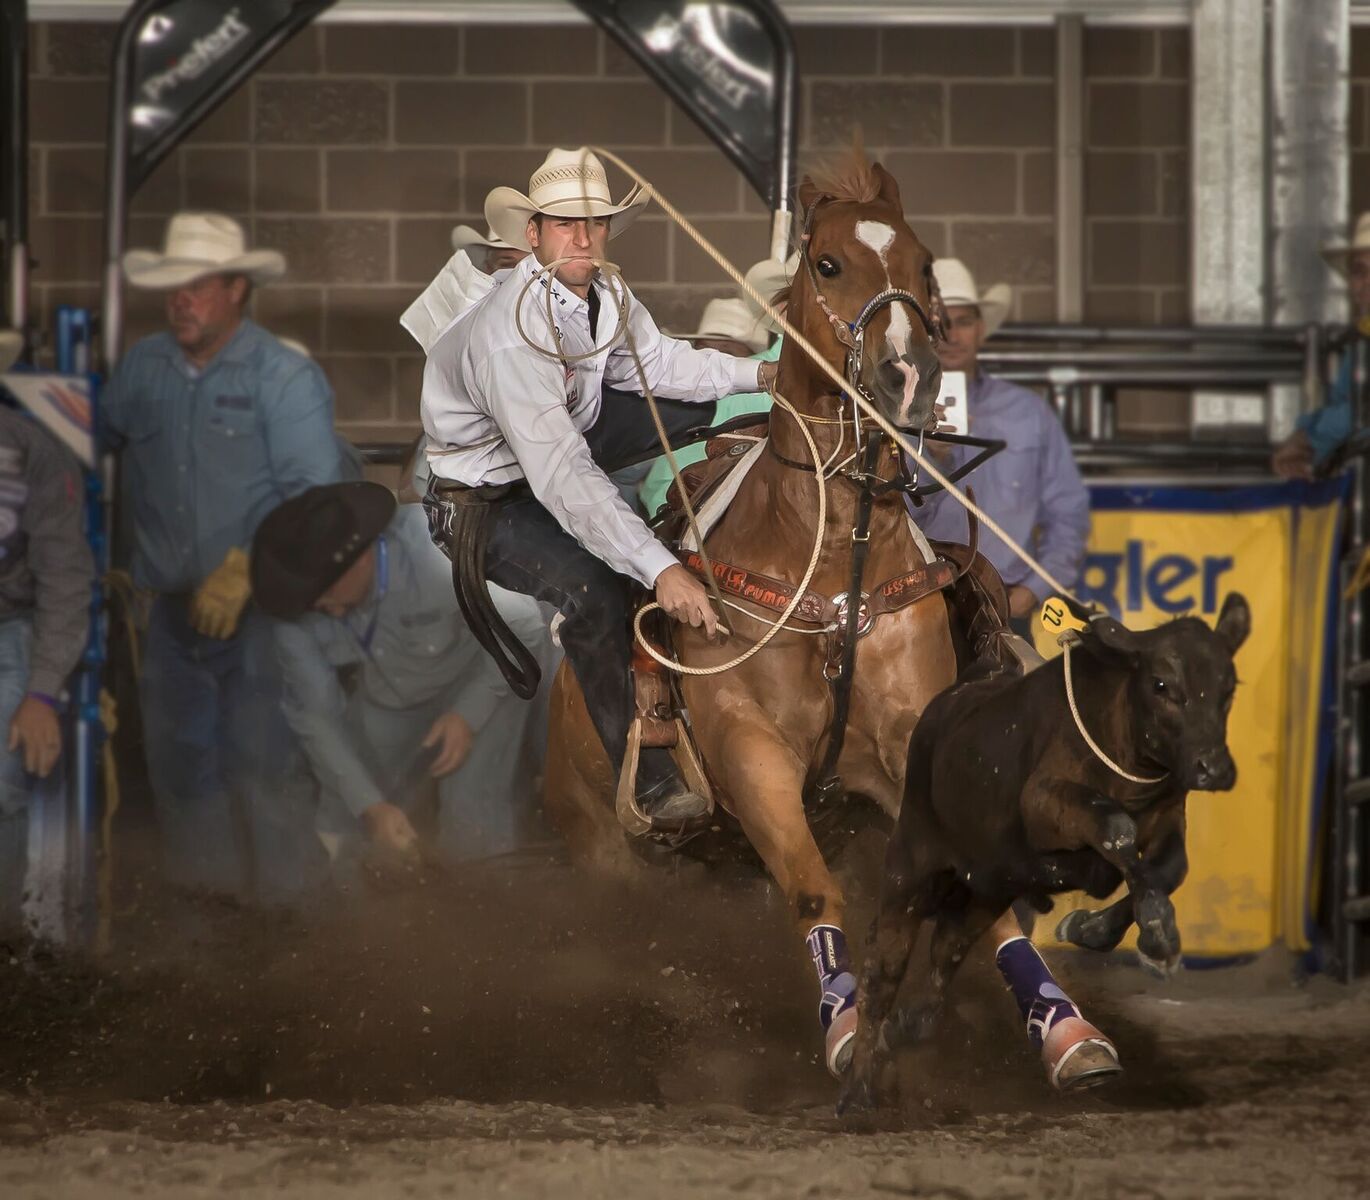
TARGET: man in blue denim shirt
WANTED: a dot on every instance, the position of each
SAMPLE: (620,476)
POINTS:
(1032,487)
(217,423)
(357,587)
(1317,434)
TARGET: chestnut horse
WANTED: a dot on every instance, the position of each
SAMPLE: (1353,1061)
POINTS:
(762,727)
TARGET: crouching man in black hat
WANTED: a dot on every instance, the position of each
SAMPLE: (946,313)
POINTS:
(356,584)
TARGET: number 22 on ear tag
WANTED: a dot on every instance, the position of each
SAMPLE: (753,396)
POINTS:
(1056,617)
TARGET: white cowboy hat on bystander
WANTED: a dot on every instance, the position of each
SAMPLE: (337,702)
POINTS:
(766,278)
(11,343)
(729,320)
(198,244)
(1338,254)
(466,237)
(957,286)
(570,183)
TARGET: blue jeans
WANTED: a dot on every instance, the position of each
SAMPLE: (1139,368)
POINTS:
(16,640)
(233,801)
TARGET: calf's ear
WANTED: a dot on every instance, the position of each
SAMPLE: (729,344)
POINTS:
(1234,621)
(1111,638)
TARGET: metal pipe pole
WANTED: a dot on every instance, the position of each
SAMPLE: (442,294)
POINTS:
(786,140)
(1070,169)
(15,42)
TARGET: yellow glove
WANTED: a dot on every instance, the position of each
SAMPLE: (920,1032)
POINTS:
(218,603)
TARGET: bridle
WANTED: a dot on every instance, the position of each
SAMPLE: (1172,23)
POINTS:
(852,335)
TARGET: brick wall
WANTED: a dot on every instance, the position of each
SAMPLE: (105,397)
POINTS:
(358,147)
(1360,119)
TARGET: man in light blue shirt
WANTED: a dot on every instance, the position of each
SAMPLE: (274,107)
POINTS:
(216,423)
(1318,434)
(1032,487)
(357,585)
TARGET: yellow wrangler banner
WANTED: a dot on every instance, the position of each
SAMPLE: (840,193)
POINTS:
(1160,553)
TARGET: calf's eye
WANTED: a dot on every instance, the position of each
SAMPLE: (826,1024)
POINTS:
(1159,687)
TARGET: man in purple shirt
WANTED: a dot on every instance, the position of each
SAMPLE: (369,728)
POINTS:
(1032,487)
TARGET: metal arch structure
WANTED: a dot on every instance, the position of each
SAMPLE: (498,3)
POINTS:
(731,65)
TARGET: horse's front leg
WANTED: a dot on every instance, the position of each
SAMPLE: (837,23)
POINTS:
(765,778)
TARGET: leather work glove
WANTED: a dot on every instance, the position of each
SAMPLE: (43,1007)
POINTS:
(217,605)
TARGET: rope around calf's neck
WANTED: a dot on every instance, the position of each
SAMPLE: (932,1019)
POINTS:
(1067,641)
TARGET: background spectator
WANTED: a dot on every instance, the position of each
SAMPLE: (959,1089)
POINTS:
(357,583)
(218,422)
(1317,434)
(1032,487)
(46,572)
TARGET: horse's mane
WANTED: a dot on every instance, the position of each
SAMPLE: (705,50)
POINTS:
(849,176)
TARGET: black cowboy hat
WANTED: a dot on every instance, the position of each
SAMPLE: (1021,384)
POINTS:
(303,547)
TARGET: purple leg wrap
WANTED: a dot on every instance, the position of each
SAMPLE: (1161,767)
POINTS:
(1041,1002)
(828,948)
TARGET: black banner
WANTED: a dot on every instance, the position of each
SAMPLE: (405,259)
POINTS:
(188,56)
(729,64)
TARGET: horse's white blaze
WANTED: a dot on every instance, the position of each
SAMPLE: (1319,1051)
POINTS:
(879,237)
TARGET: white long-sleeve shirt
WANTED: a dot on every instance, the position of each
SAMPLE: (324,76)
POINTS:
(495,410)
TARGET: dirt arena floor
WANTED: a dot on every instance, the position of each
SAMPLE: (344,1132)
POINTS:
(519,1033)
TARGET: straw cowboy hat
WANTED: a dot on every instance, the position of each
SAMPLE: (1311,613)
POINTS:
(199,244)
(467,237)
(957,285)
(1338,254)
(766,278)
(11,343)
(732,319)
(304,546)
(570,183)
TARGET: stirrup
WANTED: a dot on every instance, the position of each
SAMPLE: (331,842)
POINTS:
(634,820)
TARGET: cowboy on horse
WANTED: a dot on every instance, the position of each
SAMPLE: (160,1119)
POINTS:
(520,442)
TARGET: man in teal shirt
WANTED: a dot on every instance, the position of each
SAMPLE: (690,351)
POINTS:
(734,327)
(356,585)
(216,422)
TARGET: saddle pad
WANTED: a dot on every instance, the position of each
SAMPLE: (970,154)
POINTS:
(712,510)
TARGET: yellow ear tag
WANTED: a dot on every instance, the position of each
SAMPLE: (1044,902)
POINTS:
(1056,617)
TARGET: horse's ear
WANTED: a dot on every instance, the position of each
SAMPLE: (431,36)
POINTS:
(889,187)
(808,194)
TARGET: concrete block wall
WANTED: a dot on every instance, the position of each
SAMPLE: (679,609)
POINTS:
(357,148)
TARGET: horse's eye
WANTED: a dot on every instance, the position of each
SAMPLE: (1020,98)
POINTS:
(829,266)
(1159,687)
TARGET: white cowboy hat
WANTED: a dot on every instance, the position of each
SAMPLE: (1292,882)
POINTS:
(766,278)
(467,237)
(199,244)
(11,343)
(732,319)
(1338,254)
(570,183)
(957,285)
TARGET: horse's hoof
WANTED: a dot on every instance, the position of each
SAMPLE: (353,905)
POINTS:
(857,1095)
(839,1044)
(1077,1056)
